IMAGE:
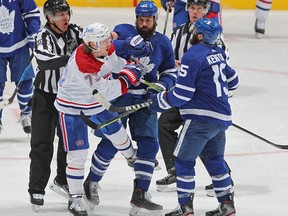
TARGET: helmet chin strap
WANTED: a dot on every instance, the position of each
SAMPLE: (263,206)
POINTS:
(54,24)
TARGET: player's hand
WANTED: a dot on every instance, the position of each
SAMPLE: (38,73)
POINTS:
(167,5)
(136,47)
(159,102)
(131,74)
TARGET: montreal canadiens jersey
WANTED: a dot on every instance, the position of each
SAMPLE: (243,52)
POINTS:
(201,90)
(18,18)
(83,74)
(159,65)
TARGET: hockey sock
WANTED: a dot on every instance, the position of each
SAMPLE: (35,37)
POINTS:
(24,94)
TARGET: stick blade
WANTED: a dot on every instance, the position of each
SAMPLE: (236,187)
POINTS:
(88,122)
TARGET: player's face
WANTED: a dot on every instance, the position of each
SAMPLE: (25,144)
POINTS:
(196,12)
(146,26)
(105,46)
(61,20)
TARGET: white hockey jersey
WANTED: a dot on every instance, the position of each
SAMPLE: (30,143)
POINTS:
(85,73)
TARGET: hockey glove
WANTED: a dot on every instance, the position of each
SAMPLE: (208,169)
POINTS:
(159,87)
(159,102)
(167,5)
(131,75)
(136,47)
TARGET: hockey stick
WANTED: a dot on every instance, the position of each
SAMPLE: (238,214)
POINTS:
(261,138)
(107,105)
(151,85)
(104,124)
(169,9)
(126,110)
(9,101)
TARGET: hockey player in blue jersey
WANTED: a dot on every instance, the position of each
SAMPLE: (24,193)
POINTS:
(201,93)
(154,53)
(180,14)
(20,21)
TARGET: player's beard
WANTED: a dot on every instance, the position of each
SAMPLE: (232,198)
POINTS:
(146,33)
(194,40)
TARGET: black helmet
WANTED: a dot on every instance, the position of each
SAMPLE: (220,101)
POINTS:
(52,6)
(204,3)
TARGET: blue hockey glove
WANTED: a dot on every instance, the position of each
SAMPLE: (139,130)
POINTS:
(167,4)
(31,40)
(159,87)
(131,74)
(159,102)
(136,47)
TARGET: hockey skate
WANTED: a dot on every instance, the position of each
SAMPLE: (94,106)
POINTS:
(91,196)
(226,208)
(25,120)
(62,190)
(183,210)
(75,206)
(142,205)
(210,190)
(36,200)
(168,183)
(259,28)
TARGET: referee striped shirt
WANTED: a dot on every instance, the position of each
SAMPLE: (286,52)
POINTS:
(52,52)
(180,40)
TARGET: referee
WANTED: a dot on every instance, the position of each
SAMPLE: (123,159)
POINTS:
(53,47)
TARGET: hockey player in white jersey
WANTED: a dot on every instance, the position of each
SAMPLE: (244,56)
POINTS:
(262,10)
(201,93)
(90,68)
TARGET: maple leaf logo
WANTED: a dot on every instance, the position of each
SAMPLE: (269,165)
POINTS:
(145,65)
(6,20)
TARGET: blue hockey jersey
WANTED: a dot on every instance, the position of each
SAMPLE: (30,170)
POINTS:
(18,18)
(159,65)
(201,90)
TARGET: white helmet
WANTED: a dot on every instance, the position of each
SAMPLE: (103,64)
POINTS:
(96,33)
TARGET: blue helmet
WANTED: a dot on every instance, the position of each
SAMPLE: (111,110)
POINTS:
(209,28)
(146,8)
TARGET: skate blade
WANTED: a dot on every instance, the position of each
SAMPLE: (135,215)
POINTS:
(259,35)
(136,211)
(35,208)
(58,190)
(89,204)
(167,188)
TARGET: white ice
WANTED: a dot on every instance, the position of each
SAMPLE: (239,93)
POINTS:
(260,105)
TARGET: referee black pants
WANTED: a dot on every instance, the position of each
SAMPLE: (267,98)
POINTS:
(44,124)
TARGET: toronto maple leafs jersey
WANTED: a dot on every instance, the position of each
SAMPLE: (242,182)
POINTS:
(159,65)
(201,90)
(83,74)
(18,18)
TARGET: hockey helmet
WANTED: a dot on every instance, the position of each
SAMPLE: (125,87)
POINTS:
(209,28)
(204,3)
(52,6)
(146,8)
(96,33)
